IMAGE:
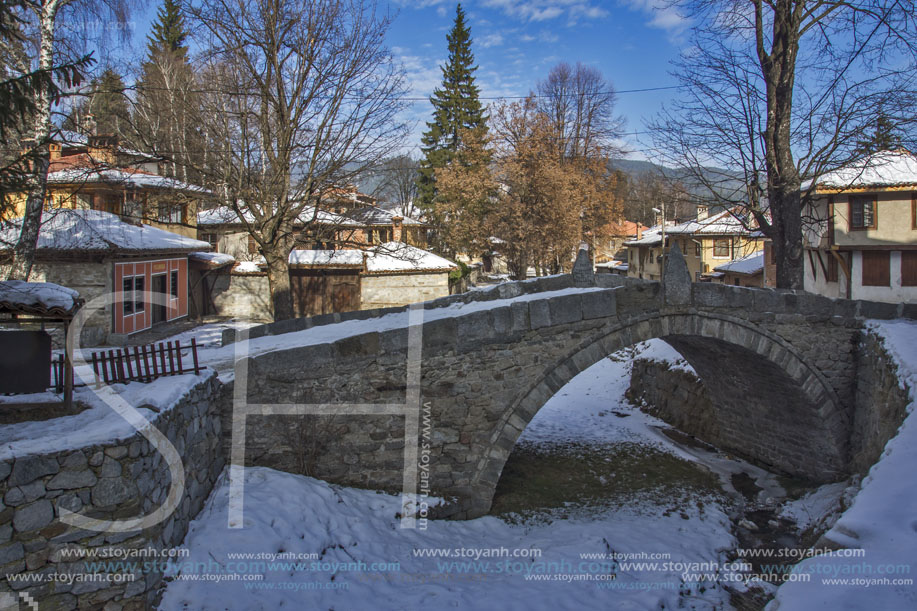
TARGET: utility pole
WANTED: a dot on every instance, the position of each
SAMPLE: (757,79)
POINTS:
(662,260)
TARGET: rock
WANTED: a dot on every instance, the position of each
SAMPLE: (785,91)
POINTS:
(748,524)
(111,491)
(117,452)
(110,468)
(96,459)
(75,461)
(68,480)
(30,468)
(33,516)
(11,553)
(14,497)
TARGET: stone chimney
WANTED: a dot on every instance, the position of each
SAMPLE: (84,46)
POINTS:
(702,212)
(89,124)
(102,148)
(639,231)
(397,228)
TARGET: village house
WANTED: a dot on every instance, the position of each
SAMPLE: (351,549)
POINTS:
(610,252)
(352,254)
(706,242)
(94,172)
(97,254)
(863,241)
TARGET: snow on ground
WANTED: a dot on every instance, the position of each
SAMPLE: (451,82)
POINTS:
(355,556)
(96,425)
(591,408)
(882,520)
(814,506)
(337,527)
(658,350)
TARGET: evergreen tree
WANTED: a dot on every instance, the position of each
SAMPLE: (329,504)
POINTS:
(883,138)
(169,30)
(456,108)
(166,113)
(107,103)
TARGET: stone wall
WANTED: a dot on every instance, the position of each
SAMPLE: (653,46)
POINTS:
(246,296)
(116,480)
(880,406)
(676,396)
(391,290)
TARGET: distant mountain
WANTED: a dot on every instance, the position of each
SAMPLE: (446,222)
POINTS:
(729,185)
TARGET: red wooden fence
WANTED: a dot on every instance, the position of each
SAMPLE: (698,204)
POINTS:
(145,364)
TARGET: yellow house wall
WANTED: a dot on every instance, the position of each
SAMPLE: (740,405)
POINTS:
(894,221)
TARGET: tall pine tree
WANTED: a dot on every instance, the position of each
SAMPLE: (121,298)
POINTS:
(169,30)
(166,112)
(456,107)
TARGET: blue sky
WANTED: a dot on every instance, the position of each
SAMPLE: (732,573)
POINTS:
(516,42)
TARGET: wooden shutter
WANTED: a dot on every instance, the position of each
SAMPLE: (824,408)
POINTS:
(876,268)
(909,268)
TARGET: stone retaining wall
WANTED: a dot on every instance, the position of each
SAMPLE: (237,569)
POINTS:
(676,396)
(880,405)
(117,480)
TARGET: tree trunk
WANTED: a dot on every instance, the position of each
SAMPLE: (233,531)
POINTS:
(24,251)
(278,275)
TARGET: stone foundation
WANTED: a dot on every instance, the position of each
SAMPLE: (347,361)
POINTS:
(117,480)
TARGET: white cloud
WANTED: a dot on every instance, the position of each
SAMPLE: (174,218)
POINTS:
(547,10)
(490,40)
(663,15)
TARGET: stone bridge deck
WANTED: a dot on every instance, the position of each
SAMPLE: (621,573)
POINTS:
(780,368)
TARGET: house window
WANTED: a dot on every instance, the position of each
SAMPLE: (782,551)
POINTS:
(876,268)
(737,282)
(127,297)
(862,212)
(169,212)
(252,246)
(909,268)
(697,249)
(831,269)
(773,254)
(721,248)
(173,284)
(139,305)
(210,238)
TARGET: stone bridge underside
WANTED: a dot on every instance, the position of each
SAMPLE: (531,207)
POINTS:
(779,367)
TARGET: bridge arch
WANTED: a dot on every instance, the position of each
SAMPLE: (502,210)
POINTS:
(777,408)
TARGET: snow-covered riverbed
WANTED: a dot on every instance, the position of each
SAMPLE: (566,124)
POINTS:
(356,556)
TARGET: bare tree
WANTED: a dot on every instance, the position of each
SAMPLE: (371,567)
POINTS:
(305,96)
(398,184)
(777,92)
(46,47)
(580,103)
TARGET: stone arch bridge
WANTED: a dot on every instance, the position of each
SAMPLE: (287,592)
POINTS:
(780,367)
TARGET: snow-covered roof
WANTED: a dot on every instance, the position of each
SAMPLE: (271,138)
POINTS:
(248,267)
(224,215)
(38,298)
(136,179)
(882,169)
(400,257)
(326,258)
(94,230)
(212,259)
(749,265)
(724,223)
(371,215)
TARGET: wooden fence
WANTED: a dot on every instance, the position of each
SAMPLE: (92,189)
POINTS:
(143,363)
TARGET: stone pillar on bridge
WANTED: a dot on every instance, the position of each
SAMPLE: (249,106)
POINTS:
(676,281)
(583,272)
